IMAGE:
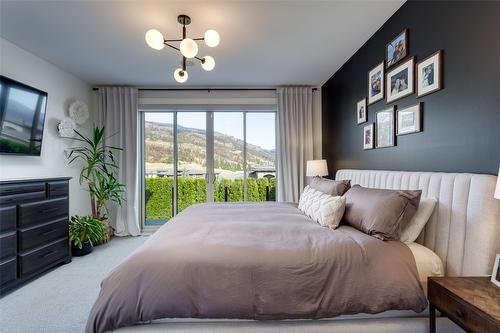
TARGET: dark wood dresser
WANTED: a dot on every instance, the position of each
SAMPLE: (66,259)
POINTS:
(33,229)
(473,303)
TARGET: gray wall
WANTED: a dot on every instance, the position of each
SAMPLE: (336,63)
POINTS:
(461,128)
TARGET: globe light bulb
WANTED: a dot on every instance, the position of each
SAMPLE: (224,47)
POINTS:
(212,38)
(189,48)
(208,63)
(180,75)
(155,40)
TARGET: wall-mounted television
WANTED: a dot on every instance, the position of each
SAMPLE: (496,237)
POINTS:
(22,115)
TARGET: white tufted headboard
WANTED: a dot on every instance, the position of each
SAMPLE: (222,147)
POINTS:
(464,229)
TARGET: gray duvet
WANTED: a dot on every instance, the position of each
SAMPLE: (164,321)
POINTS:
(256,261)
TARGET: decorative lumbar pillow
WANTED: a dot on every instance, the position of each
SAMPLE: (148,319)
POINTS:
(330,187)
(419,220)
(380,213)
(322,208)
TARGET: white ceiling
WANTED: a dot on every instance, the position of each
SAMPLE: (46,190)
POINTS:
(263,43)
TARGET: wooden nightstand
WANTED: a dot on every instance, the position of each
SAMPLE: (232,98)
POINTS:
(473,303)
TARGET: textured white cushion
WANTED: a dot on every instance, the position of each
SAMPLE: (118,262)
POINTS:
(419,220)
(322,208)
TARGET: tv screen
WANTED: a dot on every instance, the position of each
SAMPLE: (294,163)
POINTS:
(22,115)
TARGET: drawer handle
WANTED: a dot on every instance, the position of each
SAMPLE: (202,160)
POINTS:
(48,210)
(48,232)
(459,313)
(48,254)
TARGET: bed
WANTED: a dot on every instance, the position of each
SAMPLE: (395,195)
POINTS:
(462,233)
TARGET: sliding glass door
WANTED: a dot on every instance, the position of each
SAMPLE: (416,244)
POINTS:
(158,152)
(192,159)
(212,156)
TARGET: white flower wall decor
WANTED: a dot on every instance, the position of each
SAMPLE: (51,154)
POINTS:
(79,112)
(66,128)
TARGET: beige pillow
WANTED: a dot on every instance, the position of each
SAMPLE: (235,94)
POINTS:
(322,208)
(380,213)
(330,187)
(419,220)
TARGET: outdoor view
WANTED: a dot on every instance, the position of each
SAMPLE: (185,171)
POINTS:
(228,160)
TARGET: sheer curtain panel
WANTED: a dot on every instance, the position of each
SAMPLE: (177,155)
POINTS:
(117,111)
(295,140)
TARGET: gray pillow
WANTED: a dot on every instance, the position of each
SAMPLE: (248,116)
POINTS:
(330,187)
(380,213)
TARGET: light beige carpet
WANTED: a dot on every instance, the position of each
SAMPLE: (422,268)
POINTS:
(60,300)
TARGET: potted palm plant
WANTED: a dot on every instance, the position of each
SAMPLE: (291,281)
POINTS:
(99,169)
(84,232)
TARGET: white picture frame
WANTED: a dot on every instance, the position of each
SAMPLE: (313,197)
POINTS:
(369,136)
(495,275)
(376,84)
(400,81)
(385,128)
(409,120)
(361,112)
(429,74)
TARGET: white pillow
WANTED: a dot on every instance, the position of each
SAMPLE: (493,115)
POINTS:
(419,220)
(322,208)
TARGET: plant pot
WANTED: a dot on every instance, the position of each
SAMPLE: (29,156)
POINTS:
(86,249)
(109,233)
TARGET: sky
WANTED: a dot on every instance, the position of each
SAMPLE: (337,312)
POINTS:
(261,130)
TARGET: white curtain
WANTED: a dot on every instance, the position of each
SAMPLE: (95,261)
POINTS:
(117,111)
(295,141)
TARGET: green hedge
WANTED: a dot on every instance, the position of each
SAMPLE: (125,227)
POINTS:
(159,192)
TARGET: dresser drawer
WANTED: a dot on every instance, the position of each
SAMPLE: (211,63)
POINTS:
(58,188)
(8,244)
(8,218)
(35,236)
(460,312)
(10,189)
(42,211)
(8,271)
(41,257)
(22,197)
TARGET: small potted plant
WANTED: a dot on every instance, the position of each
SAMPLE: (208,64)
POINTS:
(84,232)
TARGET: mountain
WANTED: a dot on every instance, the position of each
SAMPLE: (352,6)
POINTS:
(228,150)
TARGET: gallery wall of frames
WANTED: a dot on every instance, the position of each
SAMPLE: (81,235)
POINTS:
(424,88)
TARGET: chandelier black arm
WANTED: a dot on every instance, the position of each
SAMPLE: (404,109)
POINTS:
(176,48)
(180,40)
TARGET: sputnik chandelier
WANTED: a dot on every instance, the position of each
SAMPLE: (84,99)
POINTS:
(188,47)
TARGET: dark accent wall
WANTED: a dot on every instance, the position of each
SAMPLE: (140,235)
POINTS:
(461,122)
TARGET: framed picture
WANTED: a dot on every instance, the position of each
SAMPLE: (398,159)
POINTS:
(495,275)
(368,136)
(361,112)
(409,120)
(429,74)
(376,83)
(385,128)
(396,49)
(400,81)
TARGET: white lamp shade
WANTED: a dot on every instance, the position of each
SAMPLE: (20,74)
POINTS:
(154,39)
(212,38)
(316,168)
(497,190)
(208,63)
(189,48)
(180,75)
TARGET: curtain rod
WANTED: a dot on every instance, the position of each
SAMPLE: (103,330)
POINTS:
(205,89)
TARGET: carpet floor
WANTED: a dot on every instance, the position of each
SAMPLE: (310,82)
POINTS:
(60,300)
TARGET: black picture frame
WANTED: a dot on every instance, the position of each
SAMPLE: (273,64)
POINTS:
(389,60)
